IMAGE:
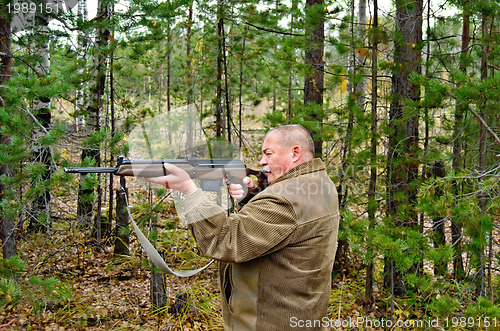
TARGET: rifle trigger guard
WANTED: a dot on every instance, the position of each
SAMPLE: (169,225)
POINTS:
(228,178)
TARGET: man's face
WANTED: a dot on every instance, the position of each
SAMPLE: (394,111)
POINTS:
(276,159)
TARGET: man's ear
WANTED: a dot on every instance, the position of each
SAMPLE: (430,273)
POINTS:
(296,153)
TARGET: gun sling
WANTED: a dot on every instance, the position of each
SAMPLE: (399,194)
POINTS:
(155,257)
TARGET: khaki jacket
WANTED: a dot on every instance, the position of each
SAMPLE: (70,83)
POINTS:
(276,253)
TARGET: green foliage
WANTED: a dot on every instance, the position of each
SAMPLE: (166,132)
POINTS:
(47,292)
(10,293)
(441,255)
(353,230)
(12,268)
(38,293)
(444,306)
(483,308)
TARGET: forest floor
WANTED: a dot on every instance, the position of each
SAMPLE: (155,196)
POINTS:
(110,292)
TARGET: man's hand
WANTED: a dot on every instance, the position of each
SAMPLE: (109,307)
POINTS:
(237,191)
(178,180)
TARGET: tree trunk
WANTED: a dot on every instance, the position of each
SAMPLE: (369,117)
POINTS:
(190,85)
(81,93)
(343,190)
(402,154)
(291,72)
(359,89)
(372,200)
(158,287)
(93,110)
(169,76)
(218,106)
(460,109)
(40,209)
(226,86)
(7,224)
(440,268)
(240,93)
(483,140)
(122,237)
(8,232)
(107,231)
(315,67)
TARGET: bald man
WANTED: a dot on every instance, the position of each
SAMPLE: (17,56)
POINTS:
(276,254)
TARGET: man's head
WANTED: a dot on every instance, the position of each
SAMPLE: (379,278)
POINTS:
(284,148)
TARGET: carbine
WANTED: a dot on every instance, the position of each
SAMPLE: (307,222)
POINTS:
(211,172)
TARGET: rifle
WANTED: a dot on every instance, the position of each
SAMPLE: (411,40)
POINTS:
(211,172)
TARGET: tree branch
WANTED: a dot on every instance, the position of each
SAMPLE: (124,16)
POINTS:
(34,119)
(273,31)
(485,125)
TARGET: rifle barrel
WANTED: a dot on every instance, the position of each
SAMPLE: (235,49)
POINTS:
(91,170)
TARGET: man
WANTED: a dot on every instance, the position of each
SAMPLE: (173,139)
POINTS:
(276,254)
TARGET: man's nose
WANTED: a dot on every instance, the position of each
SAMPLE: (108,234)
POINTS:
(262,162)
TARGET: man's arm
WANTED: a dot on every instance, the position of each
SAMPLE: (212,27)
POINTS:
(259,228)
(178,180)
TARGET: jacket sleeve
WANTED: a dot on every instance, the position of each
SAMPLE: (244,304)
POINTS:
(261,226)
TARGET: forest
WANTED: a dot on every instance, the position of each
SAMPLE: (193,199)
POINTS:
(400,98)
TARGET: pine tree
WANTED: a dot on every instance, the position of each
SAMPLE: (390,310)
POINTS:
(483,153)
(7,223)
(40,211)
(460,109)
(314,66)
(93,110)
(372,198)
(402,154)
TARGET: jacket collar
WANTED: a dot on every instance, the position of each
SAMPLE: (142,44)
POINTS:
(313,165)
